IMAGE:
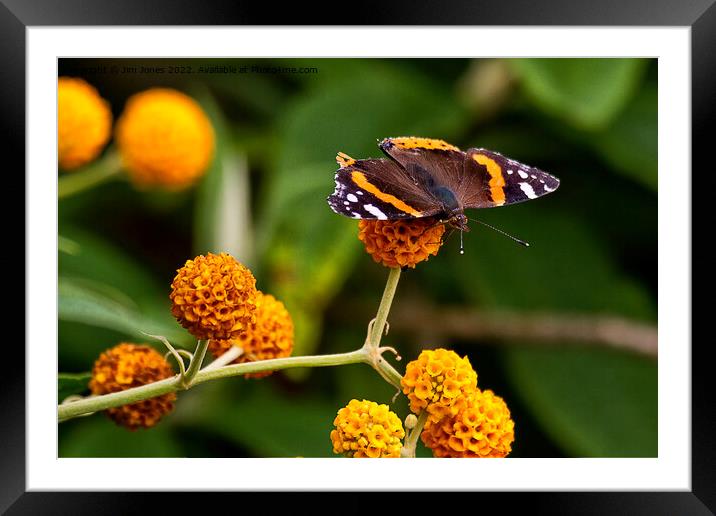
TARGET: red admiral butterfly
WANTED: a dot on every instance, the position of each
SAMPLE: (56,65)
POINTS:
(431,178)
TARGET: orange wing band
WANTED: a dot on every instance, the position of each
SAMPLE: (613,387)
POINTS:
(497,180)
(362,181)
(412,142)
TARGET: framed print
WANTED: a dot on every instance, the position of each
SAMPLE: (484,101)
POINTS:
(270,247)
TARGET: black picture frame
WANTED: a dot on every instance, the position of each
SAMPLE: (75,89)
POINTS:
(700,15)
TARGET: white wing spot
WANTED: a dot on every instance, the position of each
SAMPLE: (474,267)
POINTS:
(352,198)
(548,189)
(533,176)
(527,189)
(375,211)
(510,172)
(356,215)
(359,192)
(523,175)
(346,203)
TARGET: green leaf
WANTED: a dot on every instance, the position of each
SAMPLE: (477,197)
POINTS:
(587,93)
(566,268)
(67,245)
(595,403)
(79,345)
(97,436)
(99,305)
(630,143)
(71,383)
(351,113)
(103,272)
(104,262)
(259,94)
(268,424)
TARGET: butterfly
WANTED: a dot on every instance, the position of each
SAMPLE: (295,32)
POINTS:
(425,177)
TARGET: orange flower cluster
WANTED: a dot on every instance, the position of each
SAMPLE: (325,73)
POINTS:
(214,297)
(270,336)
(84,122)
(483,428)
(132,365)
(165,139)
(401,243)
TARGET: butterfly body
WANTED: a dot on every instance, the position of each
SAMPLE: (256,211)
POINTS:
(422,177)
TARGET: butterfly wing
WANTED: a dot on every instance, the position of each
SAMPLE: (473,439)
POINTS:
(412,182)
(377,189)
(430,163)
(492,179)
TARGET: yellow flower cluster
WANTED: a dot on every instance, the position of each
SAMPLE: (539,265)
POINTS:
(84,122)
(401,243)
(165,139)
(132,365)
(483,428)
(214,297)
(270,336)
(366,429)
(438,381)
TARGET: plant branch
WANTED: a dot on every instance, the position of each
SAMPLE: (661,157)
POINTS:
(117,399)
(195,364)
(175,383)
(382,316)
(89,176)
(375,333)
(353,357)
(383,367)
(370,353)
(229,356)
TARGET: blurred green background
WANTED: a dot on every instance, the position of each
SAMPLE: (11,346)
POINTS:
(593,254)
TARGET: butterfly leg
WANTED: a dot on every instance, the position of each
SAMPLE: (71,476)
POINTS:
(438,222)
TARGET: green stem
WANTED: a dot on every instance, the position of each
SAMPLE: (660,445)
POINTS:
(195,363)
(89,176)
(375,332)
(175,383)
(117,399)
(353,357)
(411,441)
(384,369)
(384,308)
(370,353)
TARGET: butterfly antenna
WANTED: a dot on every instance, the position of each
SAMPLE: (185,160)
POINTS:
(521,242)
(462,247)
